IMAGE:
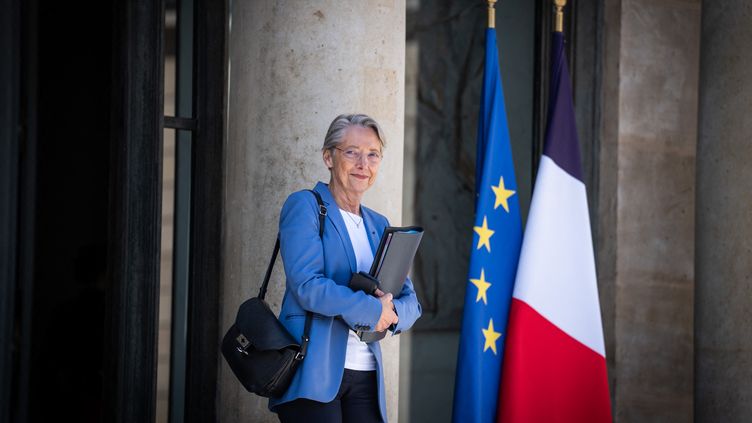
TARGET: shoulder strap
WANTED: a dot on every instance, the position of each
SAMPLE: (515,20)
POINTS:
(322,212)
(262,291)
(309,316)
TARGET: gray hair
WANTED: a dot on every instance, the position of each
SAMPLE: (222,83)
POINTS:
(340,124)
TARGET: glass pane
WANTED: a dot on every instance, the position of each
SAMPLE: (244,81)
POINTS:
(168,205)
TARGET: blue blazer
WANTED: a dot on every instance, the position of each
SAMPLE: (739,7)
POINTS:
(317,272)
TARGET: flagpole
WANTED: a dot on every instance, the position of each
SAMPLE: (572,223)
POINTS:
(559,14)
(491,14)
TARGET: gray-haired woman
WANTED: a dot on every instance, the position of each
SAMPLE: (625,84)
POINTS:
(341,378)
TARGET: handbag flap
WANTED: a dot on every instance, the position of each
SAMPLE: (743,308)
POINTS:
(261,328)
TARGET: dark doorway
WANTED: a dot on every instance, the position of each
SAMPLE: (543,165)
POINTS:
(81,124)
(67,327)
(66,90)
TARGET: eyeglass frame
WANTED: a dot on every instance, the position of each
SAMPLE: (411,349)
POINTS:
(357,158)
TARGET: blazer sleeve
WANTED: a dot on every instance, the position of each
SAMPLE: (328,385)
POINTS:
(407,307)
(303,255)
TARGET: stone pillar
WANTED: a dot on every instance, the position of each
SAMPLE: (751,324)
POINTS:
(723,294)
(649,147)
(293,67)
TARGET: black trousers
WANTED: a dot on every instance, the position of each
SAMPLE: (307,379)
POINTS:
(356,401)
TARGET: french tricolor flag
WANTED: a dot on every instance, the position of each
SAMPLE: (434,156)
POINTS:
(555,362)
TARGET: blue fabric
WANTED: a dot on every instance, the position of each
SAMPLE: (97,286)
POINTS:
(317,272)
(493,261)
(561,143)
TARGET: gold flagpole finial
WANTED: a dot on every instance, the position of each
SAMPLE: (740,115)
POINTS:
(560,14)
(491,14)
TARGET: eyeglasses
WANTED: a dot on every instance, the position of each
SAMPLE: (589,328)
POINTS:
(354,155)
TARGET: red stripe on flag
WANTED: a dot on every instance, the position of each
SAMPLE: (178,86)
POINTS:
(549,376)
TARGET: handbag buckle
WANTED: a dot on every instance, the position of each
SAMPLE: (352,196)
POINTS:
(299,356)
(244,343)
(322,210)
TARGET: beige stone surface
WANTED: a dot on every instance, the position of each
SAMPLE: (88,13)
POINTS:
(606,220)
(293,68)
(658,74)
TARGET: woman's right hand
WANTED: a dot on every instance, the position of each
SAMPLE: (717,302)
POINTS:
(388,316)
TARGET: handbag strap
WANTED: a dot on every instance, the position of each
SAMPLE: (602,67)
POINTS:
(262,291)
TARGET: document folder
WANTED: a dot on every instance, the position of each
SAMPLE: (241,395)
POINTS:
(392,262)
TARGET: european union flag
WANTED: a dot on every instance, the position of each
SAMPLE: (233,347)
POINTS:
(497,237)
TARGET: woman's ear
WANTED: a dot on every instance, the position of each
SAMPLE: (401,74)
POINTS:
(328,160)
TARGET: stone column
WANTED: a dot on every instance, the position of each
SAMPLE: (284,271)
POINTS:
(723,294)
(294,66)
(649,147)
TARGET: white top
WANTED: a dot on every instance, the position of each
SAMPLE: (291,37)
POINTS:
(358,356)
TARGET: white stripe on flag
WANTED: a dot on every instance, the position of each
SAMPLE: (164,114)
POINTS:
(556,273)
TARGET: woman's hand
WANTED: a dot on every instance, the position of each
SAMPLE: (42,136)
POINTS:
(388,316)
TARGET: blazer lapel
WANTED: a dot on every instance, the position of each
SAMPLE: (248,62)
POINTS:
(373,233)
(334,216)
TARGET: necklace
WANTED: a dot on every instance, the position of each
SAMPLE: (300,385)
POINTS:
(355,221)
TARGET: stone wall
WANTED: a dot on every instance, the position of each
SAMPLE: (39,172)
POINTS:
(723,297)
(650,137)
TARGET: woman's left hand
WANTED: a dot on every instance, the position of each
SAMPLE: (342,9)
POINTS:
(388,314)
(380,293)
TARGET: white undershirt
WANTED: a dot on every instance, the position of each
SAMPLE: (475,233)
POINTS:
(358,355)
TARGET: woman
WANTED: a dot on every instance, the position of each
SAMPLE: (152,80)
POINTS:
(341,378)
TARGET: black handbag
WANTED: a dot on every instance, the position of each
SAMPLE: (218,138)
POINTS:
(260,351)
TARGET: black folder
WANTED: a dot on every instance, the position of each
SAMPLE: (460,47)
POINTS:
(391,264)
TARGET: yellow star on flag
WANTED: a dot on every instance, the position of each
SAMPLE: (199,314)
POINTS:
(484,235)
(502,194)
(491,337)
(482,286)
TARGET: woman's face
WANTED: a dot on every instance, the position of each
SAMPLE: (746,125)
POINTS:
(355,161)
